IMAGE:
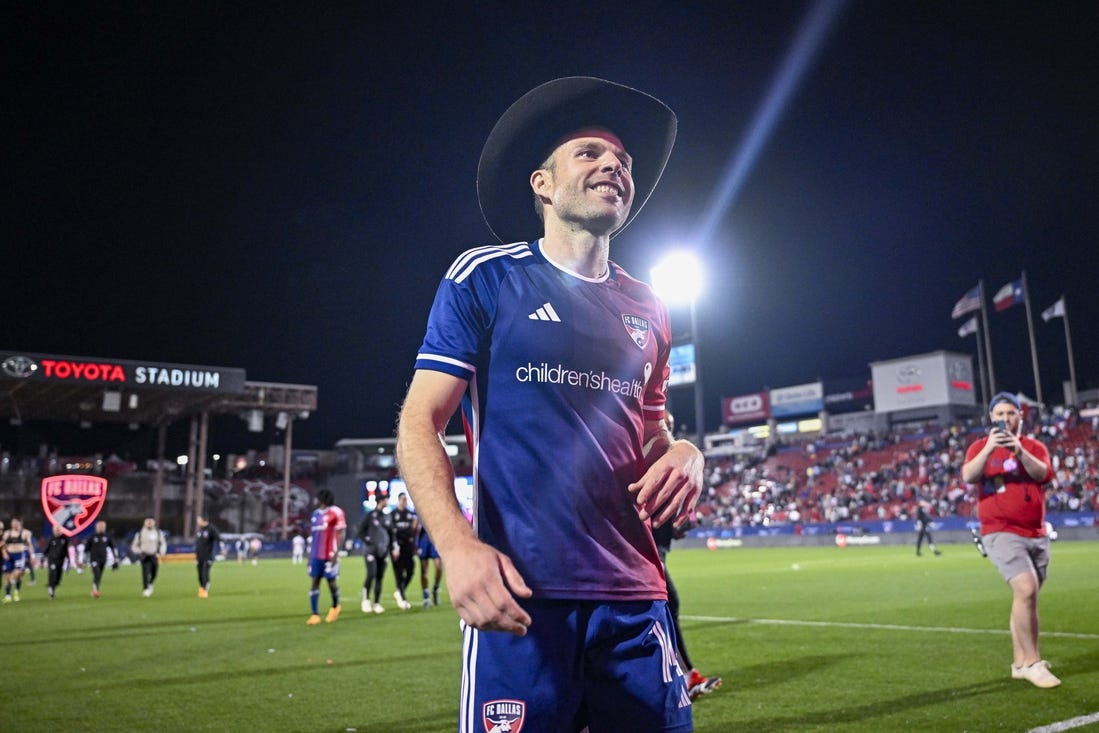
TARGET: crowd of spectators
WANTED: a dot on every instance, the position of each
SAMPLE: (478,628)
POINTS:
(883,477)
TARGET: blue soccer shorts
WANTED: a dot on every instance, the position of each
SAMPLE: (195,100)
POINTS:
(15,562)
(329,569)
(425,548)
(600,665)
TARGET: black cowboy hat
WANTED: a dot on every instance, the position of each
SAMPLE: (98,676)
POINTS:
(527,132)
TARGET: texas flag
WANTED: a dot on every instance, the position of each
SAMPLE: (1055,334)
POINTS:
(1008,295)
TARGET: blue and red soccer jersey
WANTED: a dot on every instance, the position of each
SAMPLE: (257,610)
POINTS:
(563,372)
(326,524)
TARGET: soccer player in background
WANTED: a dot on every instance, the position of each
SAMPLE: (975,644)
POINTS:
(17,550)
(58,550)
(376,532)
(698,684)
(297,549)
(428,555)
(150,546)
(923,524)
(99,544)
(559,360)
(404,564)
(241,546)
(1010,470)
(207,540)
(328,526)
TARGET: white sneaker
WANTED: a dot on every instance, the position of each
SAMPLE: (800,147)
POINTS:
(405,605)
(1038,674)
(366,607)
(378,608)
(147,592)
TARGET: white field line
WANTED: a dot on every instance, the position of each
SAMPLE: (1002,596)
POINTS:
(1064,725)
(882,627)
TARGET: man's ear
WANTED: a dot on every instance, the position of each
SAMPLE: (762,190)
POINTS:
(540,182)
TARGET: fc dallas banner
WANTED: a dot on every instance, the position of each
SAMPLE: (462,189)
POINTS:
(72,502)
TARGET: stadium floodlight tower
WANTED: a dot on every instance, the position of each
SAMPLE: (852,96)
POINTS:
(678,279)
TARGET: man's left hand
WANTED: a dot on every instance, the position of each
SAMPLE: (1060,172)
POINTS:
(671,486)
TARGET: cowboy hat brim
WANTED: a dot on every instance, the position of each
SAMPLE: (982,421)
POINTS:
(526,133)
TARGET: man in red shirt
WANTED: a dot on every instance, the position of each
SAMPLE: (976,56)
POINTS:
(1010,470)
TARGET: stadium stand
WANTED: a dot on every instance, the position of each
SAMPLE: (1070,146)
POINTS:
(868,477)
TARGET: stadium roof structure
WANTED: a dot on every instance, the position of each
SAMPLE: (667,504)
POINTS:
(89,390)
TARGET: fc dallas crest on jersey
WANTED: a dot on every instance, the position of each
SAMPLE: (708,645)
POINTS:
(72,502)
(503,716)
(638,329)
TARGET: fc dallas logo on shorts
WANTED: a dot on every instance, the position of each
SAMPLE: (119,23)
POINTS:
(638,329)
(503,716)
(72,502)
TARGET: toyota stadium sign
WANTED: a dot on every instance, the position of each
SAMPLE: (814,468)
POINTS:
(119,373)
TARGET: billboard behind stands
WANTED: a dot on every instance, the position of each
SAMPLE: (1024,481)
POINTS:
(925,380)
(848,395)
(681,363)
(746,408)
(801,399)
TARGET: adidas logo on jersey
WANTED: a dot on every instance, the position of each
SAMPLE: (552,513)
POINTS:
(545,313)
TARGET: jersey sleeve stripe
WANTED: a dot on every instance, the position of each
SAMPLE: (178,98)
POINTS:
(465,265)
(464,258)
(445,360)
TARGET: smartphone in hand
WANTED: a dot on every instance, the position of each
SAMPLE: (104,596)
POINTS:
(1000,425)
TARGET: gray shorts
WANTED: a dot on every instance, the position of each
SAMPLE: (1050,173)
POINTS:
(1012,554)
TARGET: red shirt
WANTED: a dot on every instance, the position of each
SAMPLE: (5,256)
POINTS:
(1009,500)
(326,525)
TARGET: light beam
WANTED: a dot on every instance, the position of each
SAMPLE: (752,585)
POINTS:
(814,29)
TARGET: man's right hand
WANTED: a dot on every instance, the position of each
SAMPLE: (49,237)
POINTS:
(483,585)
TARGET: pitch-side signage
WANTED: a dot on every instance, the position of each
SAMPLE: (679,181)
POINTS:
(119,373)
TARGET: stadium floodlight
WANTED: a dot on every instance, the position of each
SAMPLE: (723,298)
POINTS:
(678,279)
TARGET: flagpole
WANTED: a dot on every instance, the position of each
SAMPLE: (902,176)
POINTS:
(1033,348)
(1068,344)
(988,340)
(985,397)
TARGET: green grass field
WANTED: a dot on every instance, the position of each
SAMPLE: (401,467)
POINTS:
(807,639)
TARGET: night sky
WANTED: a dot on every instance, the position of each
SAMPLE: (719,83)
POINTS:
(281,188)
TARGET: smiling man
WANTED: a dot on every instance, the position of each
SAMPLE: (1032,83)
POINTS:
(559,360)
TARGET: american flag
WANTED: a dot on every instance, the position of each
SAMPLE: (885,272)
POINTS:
(970,302)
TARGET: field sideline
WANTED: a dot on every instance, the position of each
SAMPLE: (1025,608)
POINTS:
(807,639)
